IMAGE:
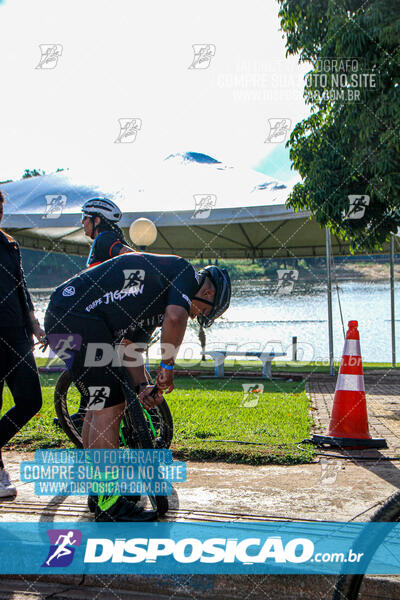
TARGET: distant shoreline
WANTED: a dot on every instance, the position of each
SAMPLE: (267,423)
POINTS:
(351,272)
(356,272)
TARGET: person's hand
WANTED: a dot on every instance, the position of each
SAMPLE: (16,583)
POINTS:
(147,400)
(165,380)
(38,332)
(43,344)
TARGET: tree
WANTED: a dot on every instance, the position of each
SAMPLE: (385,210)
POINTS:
(32,173)
(346,147)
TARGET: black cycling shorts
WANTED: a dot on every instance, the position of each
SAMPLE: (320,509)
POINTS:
(86,346)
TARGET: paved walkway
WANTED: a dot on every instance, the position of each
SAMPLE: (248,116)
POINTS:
(383,406)
(329,489)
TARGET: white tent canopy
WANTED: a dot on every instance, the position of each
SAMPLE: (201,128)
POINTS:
(247,215)
(242,214)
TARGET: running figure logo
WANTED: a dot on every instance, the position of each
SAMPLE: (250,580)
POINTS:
(63,346)
(203,54)
(128,129)
(133,279)
(62,547)
(278,130)
(286,280)
(50,53)
(204,203)
(98,397)
(55,206)
(357,206)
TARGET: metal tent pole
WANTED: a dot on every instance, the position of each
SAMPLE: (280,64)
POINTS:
(330,321)
(392,315)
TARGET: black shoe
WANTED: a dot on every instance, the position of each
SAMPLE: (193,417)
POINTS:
(126,511)
(92,501)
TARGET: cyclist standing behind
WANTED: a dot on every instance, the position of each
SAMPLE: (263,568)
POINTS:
(99,219)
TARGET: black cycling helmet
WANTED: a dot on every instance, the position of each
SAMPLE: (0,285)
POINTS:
(222,283)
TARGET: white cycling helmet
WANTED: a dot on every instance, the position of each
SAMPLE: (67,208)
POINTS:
(103,208)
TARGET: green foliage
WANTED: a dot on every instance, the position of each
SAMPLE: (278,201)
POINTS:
(238,269)
(32,173)
(348,148)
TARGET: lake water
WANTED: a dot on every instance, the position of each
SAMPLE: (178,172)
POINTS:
(259,318)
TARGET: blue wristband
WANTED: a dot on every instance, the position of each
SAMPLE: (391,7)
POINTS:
(164,366)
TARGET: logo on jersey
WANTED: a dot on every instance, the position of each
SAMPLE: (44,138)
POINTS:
(62,547)
(68,291)
(99,395)
(133,279)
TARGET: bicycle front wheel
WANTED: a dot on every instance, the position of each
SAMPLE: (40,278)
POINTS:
(139,434)
(352,587)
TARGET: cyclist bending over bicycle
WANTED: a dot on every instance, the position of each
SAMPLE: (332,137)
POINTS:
(137,290)
(99,221)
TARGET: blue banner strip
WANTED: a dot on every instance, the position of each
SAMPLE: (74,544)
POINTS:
(198,548)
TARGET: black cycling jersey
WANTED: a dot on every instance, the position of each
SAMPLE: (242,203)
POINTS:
(105,246)
(130,290)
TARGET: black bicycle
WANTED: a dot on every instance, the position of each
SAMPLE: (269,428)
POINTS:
(140,428)
(350,587)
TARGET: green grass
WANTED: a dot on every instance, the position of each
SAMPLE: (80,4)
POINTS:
(254,365)
(216,410)
(205,410)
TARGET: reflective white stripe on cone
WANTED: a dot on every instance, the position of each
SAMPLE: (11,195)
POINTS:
(352,348)
(350,383)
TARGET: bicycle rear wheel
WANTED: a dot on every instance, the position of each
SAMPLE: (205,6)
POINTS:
(67,402)
(350,587)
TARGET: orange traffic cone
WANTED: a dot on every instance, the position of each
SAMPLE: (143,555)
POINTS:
(349,420)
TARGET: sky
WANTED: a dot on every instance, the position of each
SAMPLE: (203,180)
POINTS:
(125,59)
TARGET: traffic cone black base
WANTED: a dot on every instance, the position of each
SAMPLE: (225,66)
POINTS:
(318,440)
